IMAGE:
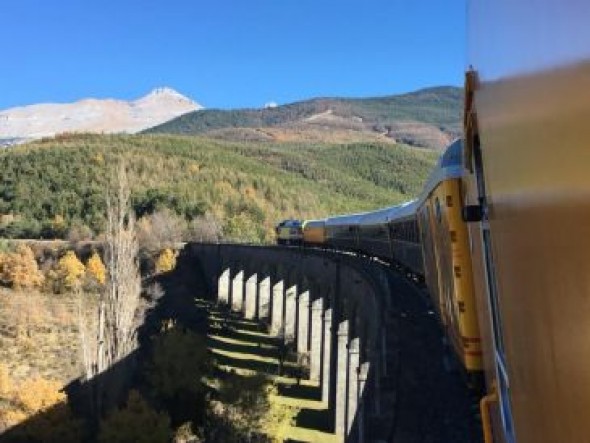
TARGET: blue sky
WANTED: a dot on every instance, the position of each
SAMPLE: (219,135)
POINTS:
(227,53)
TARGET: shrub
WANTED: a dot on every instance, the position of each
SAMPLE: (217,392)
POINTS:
(205,228)
(162,229)
(137,422)
(180,361)
(248,410)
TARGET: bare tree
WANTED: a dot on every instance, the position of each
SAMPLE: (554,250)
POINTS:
(121,296)
(204,229)
(162,229)
(112,335)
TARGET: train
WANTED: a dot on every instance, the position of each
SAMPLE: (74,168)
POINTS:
(501,231)
(428,239)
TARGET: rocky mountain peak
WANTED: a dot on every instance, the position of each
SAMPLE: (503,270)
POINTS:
(95,115)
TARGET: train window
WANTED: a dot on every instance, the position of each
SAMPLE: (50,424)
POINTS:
(479,176)
(437,210)
(449,201)
(493,294)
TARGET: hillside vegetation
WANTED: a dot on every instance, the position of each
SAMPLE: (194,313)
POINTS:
(429,117)
(49,188)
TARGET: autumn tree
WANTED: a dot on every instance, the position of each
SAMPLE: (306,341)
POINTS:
(70,270)
(19,269)
(96,269)
(40,407)
(166,261)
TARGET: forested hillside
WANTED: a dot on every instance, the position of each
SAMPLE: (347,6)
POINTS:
(55,188)
(428,117)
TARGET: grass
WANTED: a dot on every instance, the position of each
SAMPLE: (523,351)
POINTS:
(39,335)
(241,346)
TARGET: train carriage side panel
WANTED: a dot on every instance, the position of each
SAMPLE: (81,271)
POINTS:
(447,258)
(314,232)
(459,274)
(442,262)
(374,234)
(429,257)
(374,240)
(405,239)
(533,114)
(342,232)
(534,136)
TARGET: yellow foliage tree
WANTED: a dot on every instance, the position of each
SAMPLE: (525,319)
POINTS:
(19,269)
(166,261)
(96,269)
(137,422)
(38,394)
(39,407)
(70,270)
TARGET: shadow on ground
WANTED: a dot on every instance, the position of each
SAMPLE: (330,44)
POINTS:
(244,345)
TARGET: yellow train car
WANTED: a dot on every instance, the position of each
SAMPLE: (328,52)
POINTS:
(527,192)
(447,258)
(314,232)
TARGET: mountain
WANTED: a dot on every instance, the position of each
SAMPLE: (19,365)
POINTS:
(428,117)
(93,115)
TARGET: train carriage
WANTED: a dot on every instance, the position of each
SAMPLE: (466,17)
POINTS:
(527,191)
(405,238)
(342,232)
(314,232)
(374,235)
(447,258)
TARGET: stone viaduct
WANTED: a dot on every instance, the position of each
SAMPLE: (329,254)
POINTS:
(332,308)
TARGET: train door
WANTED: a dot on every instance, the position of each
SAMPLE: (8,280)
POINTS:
(494,308)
